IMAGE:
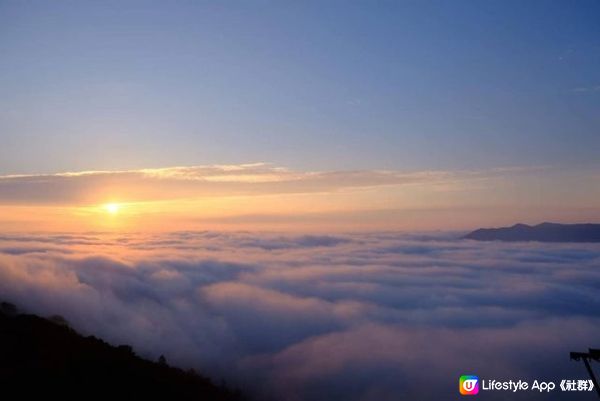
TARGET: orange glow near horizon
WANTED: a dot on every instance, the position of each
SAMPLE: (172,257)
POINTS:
(206,198)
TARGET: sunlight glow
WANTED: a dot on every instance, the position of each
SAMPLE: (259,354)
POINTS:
(112,208)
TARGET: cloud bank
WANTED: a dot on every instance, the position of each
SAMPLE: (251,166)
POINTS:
(378,316)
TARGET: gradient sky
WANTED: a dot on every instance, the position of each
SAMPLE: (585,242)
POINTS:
(309,85)
(455,88)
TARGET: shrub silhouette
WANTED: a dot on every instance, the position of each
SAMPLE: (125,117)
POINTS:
(8,309)
(58,319)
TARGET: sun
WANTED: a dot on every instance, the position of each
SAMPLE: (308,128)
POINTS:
(112,208)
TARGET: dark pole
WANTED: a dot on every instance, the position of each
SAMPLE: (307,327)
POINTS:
(591,372)
(594,354)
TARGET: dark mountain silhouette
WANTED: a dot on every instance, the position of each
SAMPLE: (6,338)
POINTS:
(545,232)
(45,358)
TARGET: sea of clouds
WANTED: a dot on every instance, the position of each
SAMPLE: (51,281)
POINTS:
(378,316)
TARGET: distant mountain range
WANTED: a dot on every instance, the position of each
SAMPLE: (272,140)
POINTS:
(545,232)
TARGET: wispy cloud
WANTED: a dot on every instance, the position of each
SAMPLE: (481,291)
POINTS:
(185,182)
(592,88)
(217,180)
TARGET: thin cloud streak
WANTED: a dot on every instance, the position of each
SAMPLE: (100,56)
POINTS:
(211,181)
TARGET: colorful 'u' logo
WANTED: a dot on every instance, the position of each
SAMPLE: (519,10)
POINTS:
(468,385)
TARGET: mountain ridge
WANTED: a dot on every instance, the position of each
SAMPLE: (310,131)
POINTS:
(543,232)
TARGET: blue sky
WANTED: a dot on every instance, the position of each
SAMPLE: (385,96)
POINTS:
(309,85)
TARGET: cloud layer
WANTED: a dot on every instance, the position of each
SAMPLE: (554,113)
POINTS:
(304,317)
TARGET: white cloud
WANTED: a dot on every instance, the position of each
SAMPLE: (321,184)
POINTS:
(376,316)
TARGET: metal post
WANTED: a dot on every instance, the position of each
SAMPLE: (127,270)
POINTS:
(594,355)
(592,375)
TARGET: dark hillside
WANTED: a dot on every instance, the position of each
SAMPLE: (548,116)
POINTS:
(44,357)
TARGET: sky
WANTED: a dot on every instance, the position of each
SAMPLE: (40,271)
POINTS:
(442,88)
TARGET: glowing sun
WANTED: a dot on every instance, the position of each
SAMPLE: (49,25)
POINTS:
(112,208)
